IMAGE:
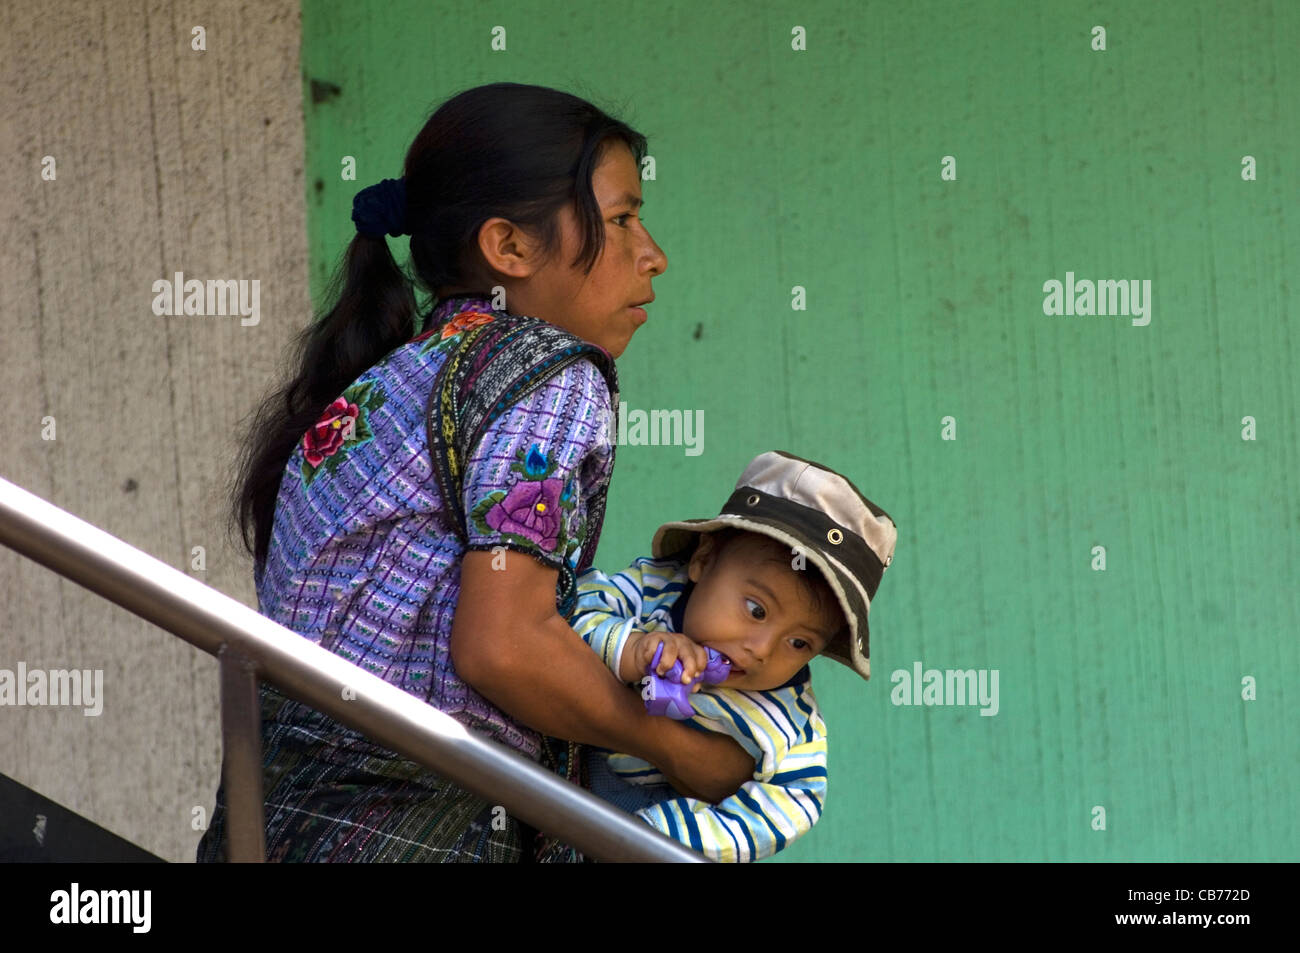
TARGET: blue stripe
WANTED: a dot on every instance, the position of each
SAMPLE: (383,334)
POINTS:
(735,844)
(629,593)
(670,586)
(794,725)
(744,827)
(785,777)
(673,832)
(799,803)
(804,706)
(809,733)
(693,827)
(743,797)
(741,721)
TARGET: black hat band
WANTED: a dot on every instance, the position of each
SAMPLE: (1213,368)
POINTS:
(851,549)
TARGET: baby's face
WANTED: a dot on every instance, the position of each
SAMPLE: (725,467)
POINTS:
(754,611)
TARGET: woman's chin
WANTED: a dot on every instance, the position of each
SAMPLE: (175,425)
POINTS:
(615,348)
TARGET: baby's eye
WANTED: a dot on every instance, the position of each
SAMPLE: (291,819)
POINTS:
(801,644)
(756,610)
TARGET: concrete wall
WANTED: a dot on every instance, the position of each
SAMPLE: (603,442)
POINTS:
(167,159)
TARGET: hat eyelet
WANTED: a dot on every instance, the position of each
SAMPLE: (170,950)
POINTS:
(753,499)
(835,536)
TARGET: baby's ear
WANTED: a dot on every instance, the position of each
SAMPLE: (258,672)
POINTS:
(702,558)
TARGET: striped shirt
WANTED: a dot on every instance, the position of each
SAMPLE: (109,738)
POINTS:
(782,729)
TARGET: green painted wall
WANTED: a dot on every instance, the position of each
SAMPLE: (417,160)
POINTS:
(1119,689)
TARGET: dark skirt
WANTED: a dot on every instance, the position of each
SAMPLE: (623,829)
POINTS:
(331,795)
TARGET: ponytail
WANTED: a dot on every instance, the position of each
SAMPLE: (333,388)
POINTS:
(374,313)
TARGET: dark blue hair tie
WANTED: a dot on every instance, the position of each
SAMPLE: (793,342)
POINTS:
(381,209)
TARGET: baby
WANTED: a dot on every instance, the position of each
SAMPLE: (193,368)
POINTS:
(786,571)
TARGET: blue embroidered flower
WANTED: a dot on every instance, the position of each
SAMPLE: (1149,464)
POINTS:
(535,466)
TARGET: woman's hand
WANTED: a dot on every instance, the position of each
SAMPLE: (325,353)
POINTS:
(512,647)
(707,766)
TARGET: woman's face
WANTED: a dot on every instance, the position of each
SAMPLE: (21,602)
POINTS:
(596,307)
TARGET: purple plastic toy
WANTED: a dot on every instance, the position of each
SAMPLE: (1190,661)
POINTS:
(668,695)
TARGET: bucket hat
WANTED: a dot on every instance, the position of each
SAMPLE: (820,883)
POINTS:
(819,513)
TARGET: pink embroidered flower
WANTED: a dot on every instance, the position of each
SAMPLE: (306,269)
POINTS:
(335,427)
(531,509)
(463,322)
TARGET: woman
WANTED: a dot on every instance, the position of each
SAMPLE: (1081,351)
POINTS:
(420,503)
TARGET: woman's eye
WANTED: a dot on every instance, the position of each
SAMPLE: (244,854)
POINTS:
(624,215)
(755,610)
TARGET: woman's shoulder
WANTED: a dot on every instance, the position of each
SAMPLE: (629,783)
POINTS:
(532,347)
(492,362)
(454,317)
(479,333)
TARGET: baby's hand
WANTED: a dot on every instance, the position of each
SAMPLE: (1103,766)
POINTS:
(638,655)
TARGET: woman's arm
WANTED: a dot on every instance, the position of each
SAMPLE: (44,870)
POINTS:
(510,644)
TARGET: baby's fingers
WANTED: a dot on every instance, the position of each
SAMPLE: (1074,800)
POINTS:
(645,651)
(668,658)
(694,659)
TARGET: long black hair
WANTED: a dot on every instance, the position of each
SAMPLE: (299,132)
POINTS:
(516,151)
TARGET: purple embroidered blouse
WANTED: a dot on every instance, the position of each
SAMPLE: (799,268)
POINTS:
(364,558)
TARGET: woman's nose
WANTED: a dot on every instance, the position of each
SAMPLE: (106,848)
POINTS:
(658,260)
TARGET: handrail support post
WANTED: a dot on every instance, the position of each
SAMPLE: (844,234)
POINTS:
(241,757)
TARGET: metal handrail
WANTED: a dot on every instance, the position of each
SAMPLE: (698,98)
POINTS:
(251,647)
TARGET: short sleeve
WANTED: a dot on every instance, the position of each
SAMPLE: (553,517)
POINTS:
(530,482)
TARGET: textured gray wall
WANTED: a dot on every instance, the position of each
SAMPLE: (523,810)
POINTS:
(166,159)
